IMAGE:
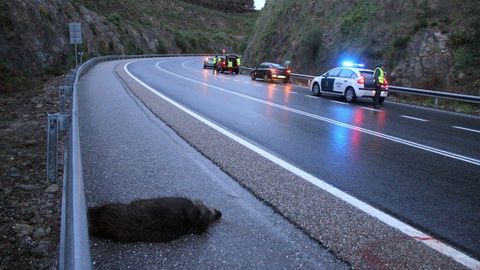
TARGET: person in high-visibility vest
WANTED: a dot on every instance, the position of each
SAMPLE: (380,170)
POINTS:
(215,60)
(230,66)
(238,61)
(379,80)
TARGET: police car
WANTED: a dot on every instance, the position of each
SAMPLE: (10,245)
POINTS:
(351,81)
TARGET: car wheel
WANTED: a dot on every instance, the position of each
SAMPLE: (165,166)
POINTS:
(381,100)
(316,89)
(204,67)
(252,76)
(350,95)
(266,78)
(286,81)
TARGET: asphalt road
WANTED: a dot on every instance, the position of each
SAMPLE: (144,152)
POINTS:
(426,172)
(129,154)
(418,165)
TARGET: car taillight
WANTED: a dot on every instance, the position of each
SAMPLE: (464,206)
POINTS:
(273,70)
(289,71)
(361,80)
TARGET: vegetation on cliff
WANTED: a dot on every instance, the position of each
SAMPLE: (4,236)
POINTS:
(424,43)
(34,34)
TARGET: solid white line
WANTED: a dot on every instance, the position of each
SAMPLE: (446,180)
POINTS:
(335,122)
(414,118)
(339,102)
(311,96)
(389,220)
(468,129)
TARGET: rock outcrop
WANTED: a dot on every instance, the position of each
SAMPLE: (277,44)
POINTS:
(34,35)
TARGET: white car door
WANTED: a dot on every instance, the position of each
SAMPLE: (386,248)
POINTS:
(342,81)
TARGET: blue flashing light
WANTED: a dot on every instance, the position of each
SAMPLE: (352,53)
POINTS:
(351,64)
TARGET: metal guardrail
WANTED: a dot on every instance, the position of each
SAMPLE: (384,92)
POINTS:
(405,90)
(74,240)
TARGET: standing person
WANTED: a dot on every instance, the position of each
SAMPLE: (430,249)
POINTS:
(379,80)
(230,66)
(215,60)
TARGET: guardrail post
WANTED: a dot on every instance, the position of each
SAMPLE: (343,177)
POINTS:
(69,79)
(64,92)
(436,103)
(63,121)
(61,98)
(52,146)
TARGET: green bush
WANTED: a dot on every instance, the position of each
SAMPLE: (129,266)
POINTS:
(114,18)
(420,24)
(356,19)
(401,42)
(311,42)
(457,39)
(43,11)
(161,48)
(181,42)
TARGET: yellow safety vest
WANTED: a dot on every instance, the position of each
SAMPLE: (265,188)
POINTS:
(381,76)
(238,61)
(230,63)
(214,60)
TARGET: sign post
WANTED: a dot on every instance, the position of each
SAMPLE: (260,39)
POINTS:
(75,37)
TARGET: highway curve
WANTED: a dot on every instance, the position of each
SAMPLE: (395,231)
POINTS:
(416,165)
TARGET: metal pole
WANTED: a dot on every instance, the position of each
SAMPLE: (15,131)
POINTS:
(76,61)
(52,153)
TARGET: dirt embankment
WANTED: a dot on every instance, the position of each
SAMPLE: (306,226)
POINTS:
(30,205)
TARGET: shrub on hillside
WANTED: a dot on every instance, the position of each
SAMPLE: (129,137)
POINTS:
(225,5)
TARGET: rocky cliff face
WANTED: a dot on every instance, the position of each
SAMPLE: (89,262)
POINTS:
(34,33)
(424,43)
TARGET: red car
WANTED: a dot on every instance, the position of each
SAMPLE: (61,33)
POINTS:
(222,64)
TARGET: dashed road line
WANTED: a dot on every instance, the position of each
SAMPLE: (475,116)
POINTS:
(414,118)
(467,129)
(335,122)
(339,102)
(371,109)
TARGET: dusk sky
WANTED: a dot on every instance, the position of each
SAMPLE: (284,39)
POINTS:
(259,4)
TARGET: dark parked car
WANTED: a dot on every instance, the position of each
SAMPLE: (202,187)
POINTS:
(208,62)
(271,71)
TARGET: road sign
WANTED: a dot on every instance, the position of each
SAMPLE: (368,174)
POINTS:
(75,33)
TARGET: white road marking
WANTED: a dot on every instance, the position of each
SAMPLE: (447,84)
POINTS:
(370,109)
(339,102)
(468,129)
(414,118)
(311,96)
(335,122)
(387,219)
